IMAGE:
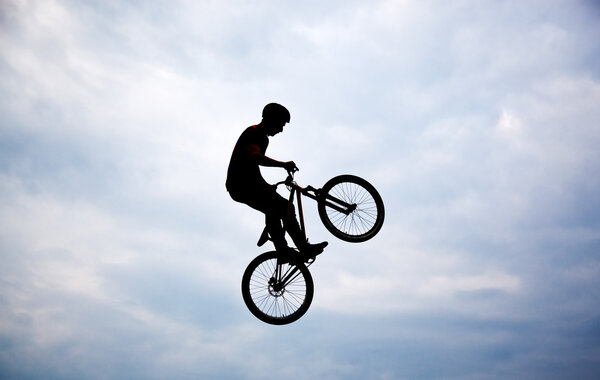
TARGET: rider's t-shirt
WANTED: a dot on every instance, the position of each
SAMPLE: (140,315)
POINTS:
(243,172)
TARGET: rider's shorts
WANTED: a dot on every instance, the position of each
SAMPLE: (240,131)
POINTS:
(267,201)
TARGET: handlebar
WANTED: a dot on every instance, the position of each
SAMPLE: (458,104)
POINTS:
(289,181)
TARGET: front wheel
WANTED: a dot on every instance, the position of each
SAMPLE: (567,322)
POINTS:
(350,208)
(276,292)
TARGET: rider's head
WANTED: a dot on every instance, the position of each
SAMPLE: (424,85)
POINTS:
(274,117)
(275,111)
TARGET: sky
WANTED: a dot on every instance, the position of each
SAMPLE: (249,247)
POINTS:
(121,253)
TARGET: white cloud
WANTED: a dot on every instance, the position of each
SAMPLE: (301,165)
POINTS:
(509,126)
(477,122)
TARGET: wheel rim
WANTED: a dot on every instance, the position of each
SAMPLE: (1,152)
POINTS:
(360,221)
(271,297)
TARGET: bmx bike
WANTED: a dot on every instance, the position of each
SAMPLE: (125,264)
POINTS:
(278,289)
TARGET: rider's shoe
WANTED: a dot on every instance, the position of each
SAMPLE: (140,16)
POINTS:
(288,255)
(306,253)
(310,251)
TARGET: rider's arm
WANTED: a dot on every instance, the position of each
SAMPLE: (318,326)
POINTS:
(255,154)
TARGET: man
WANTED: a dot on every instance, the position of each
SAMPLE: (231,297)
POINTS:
(246,184)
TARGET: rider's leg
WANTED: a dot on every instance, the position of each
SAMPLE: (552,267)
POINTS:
(269,203)
(290,222)
(278,209)
(276,231)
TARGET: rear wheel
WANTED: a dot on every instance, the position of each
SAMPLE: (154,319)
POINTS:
(350,208)
(274,292)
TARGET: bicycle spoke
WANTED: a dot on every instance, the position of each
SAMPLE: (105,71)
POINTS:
(277,303)
(362,219)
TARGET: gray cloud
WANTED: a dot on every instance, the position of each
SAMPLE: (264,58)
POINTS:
(122,253)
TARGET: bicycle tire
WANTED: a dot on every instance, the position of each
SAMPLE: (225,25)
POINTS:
(276,307)
(364,221)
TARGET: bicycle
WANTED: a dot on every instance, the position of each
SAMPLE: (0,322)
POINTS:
(277,288)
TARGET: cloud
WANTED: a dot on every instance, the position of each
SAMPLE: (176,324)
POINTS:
(122,253)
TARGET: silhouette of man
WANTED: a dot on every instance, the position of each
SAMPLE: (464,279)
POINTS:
(246,184)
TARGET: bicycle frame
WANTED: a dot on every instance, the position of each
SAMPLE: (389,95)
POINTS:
(315,194)
(277,286)
(283,279)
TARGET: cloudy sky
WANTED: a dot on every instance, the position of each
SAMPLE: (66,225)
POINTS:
(121,253)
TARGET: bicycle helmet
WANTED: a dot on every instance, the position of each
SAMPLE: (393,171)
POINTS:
(276,111)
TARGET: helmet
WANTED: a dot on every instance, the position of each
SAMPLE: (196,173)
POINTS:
(276,111)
